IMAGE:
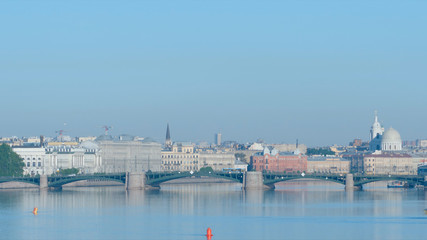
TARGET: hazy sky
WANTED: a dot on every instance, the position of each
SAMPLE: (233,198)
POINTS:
(276,70)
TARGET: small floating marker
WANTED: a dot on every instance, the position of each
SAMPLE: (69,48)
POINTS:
(209,234)
(35,211)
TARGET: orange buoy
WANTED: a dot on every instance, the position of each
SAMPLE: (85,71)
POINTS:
(35,211)
(209,234)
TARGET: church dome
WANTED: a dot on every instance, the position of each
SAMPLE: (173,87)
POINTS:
(391,135)
(391,140)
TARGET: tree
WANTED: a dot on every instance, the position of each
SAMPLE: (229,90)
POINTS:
(205,170)
(319,151)
(68,171)
(11,164)
(240,157)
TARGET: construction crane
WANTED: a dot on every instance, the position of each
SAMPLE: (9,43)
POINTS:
(60,132)
(106,128)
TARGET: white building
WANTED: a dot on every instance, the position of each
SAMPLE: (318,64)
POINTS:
(129,155)
(35,159)
(40,160)
(391,141)
(385,141)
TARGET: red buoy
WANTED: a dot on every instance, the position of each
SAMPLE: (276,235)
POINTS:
(209,234)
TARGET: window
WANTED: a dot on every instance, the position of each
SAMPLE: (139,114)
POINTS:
(34,164)
(39,164)
(28,164)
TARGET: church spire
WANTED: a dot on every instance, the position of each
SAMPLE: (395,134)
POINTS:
(376,128)
(376,116)
(168,142)
(168,133)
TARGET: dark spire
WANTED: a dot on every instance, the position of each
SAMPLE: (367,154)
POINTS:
(168,133)
(168,142)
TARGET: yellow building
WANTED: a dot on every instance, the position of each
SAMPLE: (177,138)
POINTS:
(385,163)
(180,158)
(54,144)
(330,164)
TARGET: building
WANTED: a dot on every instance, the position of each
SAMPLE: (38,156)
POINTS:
(49,160)
(422,143)
(127,155)
(218,139)
(375,134)
(181,157)
(356,160)
(84,139)
(84,157)
(356,142)
(218,161)
(256,147)
(390,163)
(35,159)
(391,140)
(271,160)
(328,164)
(240,166)
(302,148)
(386,141)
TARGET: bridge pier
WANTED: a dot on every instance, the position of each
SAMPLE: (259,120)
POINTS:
(253,180)
(135,181)
(349,183)
(43,182)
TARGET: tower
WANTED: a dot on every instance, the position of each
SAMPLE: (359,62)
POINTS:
(168,142)
(218,139)
(376,128)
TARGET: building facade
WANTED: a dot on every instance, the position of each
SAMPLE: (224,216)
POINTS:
(35,159)
(271,160)
(51,159)
(333,165)
(129,155)
(181,157)
(217,161)
(388,163)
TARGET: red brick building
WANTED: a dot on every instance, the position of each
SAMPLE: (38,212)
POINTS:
(270,160)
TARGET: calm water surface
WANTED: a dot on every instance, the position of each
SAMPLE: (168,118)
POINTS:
(299,210)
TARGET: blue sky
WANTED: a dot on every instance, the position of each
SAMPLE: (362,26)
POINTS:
(276,70)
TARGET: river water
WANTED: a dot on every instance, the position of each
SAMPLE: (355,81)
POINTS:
(295,210)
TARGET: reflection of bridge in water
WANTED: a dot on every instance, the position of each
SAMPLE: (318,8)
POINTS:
(250,180)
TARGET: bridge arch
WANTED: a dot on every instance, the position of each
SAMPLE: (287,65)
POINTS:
(31,184)
(272,179)
(60,181)
(157,179)
(360,182)
(30,180)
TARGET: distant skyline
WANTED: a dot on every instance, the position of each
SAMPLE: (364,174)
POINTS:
(276,70)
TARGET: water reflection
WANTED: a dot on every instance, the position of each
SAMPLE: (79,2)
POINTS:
(297,210)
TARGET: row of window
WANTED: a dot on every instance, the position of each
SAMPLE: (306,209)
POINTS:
(180,156)
(179,162)
(39,164)
(179,168)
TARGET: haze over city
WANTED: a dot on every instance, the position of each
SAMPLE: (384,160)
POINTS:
(310,70)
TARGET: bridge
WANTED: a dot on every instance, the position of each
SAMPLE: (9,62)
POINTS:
(249,180)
